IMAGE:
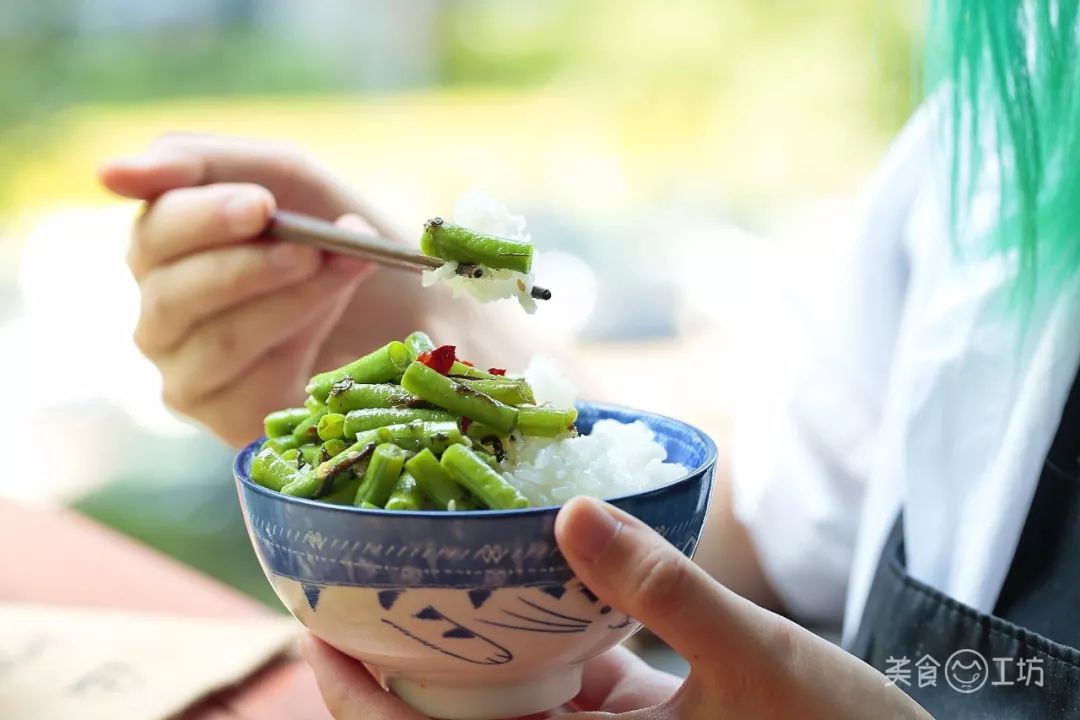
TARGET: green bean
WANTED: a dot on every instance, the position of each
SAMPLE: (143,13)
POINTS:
(480,432)
(415,436)
(435,482)
(281,444)
(368,419)
(512,391)
(331,426)
(348,395)
(419,342)
(407,494)
(310,454)
(313,404)
(461,370)
(491,460)
(308,485)
(486,484)
(291,455)
(382,474)
(308,430)
(545,421)
(344,495)
(385,364)
(351,456)
(453,242)
(271,470)
(369,506)
(283,422)
(333,448)
(440,390)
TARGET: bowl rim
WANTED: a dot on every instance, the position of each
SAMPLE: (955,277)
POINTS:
(711,455)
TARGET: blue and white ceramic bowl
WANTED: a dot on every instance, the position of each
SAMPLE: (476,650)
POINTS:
(465,615)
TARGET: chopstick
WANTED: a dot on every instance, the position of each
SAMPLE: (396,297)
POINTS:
(307,230)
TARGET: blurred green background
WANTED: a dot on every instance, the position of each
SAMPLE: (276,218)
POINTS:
(620,128)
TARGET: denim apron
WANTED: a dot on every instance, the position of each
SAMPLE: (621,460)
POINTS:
(1021,661)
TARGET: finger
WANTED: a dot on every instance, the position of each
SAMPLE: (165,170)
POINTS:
(631,567)
(619,681)
(179,295)
(223,347)
(185,221)
(348,689)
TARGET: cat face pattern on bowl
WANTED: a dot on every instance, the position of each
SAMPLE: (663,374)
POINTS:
(480,605)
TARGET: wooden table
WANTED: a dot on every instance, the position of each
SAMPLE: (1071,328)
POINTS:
(59,557)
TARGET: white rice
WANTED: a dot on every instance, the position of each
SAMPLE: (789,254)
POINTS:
(480,212)
(614,459)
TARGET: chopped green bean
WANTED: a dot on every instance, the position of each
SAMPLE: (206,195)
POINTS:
(283,422)
(271,470)
(291,455)
(453,242)
(313,404)
(350,457)
(461,370)
(307,485)
(281,444)
(333,448)
(348,395)
(369,506)
(440,390)
(434,481)
(308,430)
(490,459)
(419,342)
(545,421)
(331,426)
(512,391)
(415,436)
(407,494)
(310,454)
(370,418)
(385,364)
(346,494)
(481,432)
(485,484)
(382,474)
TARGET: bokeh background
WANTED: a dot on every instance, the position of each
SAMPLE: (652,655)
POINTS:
(681,151)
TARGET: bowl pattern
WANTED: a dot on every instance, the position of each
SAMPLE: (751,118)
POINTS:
(423,591)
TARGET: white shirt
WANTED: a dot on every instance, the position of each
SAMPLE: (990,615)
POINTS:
(916,388)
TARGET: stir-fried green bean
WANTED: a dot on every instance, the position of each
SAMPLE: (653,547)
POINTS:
(308,429)
(512,391)
(344,495)
(545,421)
(382,474)
(383,365)
(406,495)
(331,426)
(370,418)
(313,405)
(271,470)
(333,448)
(415,436)
(281,444)
(348,395)
(283,422)
(461,370)
(419,342)
(483,482)
(434,481)
(440,390)
(453,242)
(310,454)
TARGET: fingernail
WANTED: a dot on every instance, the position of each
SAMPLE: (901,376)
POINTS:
(245,213)
(289,256)
(594,528)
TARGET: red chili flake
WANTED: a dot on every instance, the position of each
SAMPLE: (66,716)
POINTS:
(441,359)
(464,424)
(497,371)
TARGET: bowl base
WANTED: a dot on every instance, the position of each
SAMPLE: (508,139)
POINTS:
(489,702)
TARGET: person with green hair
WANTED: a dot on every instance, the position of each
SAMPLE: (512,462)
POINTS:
(908,467)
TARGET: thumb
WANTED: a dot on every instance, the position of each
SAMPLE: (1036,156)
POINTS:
(628,565)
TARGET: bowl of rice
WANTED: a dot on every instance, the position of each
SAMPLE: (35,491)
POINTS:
(472,615)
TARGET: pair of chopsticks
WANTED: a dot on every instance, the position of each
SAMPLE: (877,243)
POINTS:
(307,230)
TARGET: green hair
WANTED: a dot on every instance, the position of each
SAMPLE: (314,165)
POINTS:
(1010,73)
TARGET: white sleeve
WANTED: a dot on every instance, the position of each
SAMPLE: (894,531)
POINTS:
(813,387)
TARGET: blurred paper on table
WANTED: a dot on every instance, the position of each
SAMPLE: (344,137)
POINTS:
(61,662)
